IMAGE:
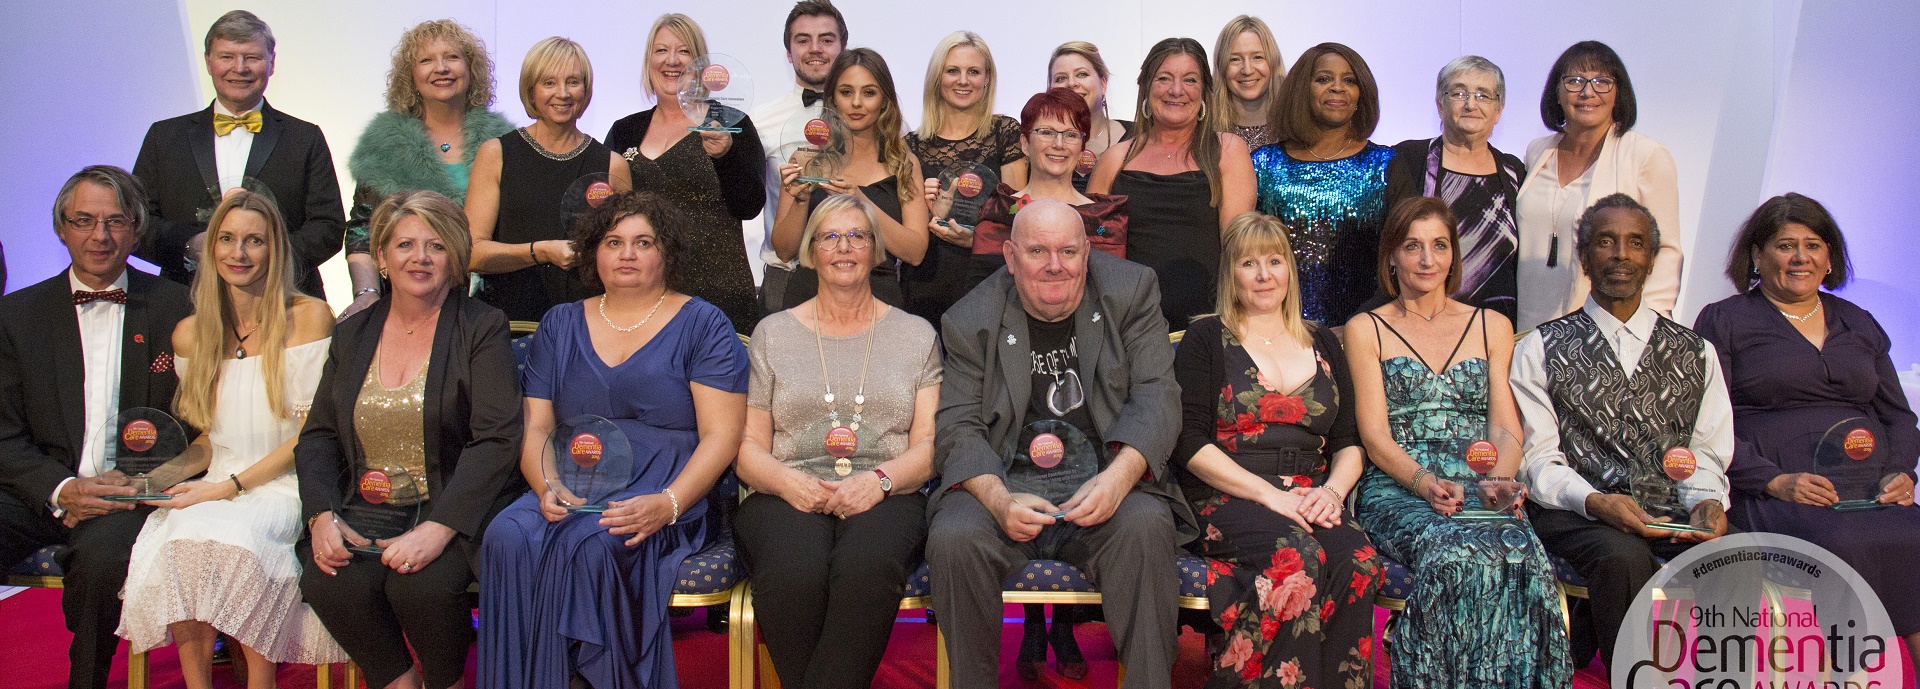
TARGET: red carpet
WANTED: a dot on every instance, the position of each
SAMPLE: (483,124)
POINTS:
(33,655)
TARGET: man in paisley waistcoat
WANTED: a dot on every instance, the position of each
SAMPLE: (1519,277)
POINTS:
(1604,394)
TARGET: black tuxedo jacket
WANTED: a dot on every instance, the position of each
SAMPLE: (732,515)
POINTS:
(176,165)
(471,416)
(42,375)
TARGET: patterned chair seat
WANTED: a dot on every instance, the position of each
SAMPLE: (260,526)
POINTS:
(1054,576)
(1564,573)
(44,562)
(709,571)
(1398,583)
(522,346)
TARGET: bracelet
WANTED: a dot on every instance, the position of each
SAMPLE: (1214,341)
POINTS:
(676,506)
(310,521)
(238,489)
(369,290)
(531,255)
(1414,484)
(1337,497)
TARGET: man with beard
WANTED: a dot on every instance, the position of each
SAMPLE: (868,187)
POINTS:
(814,36)
(1609,395)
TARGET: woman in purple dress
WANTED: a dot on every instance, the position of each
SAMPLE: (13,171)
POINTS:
(578,598)
(1801,362)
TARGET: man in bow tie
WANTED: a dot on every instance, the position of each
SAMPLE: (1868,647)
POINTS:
(815,34)
(76,350)
(187,163)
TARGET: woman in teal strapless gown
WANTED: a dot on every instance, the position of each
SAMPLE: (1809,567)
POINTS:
(1484,609)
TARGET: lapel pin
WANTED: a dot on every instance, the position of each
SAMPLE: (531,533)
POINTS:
(1096,316)
(1011,339)
(139,339)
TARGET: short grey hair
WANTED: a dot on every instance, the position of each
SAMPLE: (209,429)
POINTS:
(1468,63)
(1583,230)
(125,187)
(239,26)
(834,205)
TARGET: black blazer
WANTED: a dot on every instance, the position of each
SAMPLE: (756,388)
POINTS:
(471,415)
(289,155)
(42,370)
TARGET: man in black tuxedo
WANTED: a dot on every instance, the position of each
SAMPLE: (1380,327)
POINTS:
(188,162)
(75,350)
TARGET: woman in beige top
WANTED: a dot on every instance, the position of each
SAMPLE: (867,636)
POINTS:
(1589,102)
(839,439)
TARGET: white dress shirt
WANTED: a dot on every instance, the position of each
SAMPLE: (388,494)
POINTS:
(230,151)
(102,325)
(776,138)
(1553,482)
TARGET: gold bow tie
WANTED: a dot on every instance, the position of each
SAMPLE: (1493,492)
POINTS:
(223,123)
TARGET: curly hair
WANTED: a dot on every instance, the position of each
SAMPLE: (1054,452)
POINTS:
(403,97)
(669,234)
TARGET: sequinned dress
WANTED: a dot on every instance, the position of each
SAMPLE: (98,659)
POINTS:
(1335,210)
(1473,619)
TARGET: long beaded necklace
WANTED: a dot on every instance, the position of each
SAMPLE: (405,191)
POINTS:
(842,440)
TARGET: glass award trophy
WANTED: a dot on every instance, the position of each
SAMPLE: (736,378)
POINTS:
(818,143)
(1656,477)
(964,190)
(1848,456)
(143,438)
(1051,459)
(586,462)
(378,504)
(1487,498)
(583,195)
(716,93)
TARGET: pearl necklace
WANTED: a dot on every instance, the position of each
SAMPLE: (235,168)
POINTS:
(1801,319)
(636,326)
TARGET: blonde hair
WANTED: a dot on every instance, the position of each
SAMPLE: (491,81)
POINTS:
(836,204)
(683,27)
(403,97)
(1223,97)
(1251,233)
(214,319)
(549,56)
(933,110)
(440,214)
(1083,49)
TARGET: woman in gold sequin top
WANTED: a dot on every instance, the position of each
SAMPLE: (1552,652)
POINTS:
(421,382)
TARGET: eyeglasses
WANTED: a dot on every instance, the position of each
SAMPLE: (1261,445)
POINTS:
(1070,136)
(832,240)
(1461,96)
(1574,84)
(85,223)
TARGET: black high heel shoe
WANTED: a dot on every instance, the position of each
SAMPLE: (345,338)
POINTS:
(1033,643)
(1066,649)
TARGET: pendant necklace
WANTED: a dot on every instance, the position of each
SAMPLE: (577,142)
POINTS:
(1336,154)
(1427,318)
(423,321)
(842,440)
(240,348)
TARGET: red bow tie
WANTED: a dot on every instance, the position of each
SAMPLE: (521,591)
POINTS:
(117,296)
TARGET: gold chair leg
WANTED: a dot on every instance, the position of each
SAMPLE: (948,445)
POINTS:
(769,679)
(1566,614)
(740,638)
(323,676)
(1121,676)
(137,671)
(352,676)
(940,678)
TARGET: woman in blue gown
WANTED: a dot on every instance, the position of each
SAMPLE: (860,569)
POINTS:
(579,598)
(1484,611)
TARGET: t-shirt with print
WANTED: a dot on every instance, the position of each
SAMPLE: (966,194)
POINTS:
(1057,390)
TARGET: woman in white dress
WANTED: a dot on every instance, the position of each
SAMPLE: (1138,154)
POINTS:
(218,556)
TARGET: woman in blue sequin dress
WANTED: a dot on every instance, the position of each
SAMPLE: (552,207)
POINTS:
(1484,609)
(1325,180)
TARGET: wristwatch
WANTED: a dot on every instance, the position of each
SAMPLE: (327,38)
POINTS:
(886,484)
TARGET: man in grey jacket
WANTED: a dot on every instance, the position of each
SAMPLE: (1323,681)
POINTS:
(1064,350)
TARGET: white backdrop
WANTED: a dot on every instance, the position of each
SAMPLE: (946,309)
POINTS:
(1753,98)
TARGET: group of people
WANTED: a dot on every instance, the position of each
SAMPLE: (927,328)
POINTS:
(1349,314)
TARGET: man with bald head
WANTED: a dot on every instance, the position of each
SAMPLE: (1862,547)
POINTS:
(1058,411)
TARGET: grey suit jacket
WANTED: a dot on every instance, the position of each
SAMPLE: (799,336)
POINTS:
(1126,366)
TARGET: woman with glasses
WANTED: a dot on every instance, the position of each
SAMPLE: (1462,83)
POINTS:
(1477,181)
(1325,180)
(1053,136)
(1588,102)
(1183,180)
(839,440)
(1078,67)
(958,128)
(878,166)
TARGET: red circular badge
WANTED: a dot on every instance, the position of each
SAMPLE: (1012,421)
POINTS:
(1481,456)
(1859,444)
(1679,463)
(586,449)
(816,131)
(715,78)
(376,487)
(597,193)
(1087,159)
(968,185)
(1046,450)
(140,435)
(841,442)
